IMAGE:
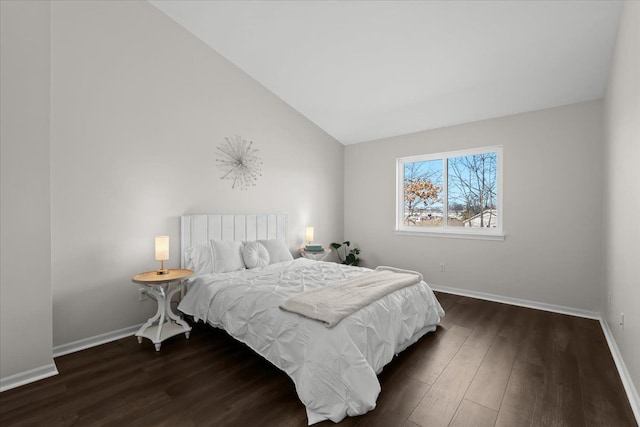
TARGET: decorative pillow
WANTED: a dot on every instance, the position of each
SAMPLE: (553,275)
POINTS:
(199,259)
(227,256)
(255,255)
(277,249)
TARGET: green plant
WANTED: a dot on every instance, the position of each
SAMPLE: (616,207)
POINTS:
(348,256)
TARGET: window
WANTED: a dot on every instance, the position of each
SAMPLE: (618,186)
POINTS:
(454,194)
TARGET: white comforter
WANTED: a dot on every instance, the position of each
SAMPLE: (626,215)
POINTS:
(334,370)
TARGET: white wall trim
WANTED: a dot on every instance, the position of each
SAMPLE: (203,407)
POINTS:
(85,343)
(33,375)
(519,302)
(627,382)
(26,377)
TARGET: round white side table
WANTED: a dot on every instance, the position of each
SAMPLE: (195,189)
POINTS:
(165,323)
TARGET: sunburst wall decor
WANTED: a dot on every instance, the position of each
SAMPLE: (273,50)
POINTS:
(240,161)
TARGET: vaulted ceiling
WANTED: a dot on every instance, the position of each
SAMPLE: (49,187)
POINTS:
(365,70)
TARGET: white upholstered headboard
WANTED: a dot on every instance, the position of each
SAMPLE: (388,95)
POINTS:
(199,229)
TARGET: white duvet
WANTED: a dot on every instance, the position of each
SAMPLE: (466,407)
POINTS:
(334,369)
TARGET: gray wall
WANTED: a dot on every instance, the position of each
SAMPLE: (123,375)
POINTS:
(138,106)
(622,191)
(25,254)
(552,208)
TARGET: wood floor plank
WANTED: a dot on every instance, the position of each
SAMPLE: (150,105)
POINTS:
(535,339)
(441,401)
(523,395)
(470,414)
(490,382)
(563,395)
(120,411)
(519,320)
(428,365)
(562,401)
(465,312)
(20,399)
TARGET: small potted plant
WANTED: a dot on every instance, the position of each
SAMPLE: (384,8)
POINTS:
(348,256)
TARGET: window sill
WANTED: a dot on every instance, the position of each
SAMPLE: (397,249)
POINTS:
(473,235)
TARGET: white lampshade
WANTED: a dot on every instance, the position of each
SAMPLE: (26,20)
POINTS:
(309,234)
(162,248)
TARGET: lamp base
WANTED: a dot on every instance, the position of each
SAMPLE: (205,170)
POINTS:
(162,270)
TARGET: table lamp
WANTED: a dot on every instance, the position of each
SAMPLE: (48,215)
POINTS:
(309,235)
(162,253)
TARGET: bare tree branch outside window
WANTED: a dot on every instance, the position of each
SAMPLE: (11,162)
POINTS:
(472,182)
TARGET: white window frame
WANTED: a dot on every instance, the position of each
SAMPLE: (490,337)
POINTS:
(495,233)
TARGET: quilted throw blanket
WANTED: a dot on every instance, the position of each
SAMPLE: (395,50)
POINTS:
(332,303)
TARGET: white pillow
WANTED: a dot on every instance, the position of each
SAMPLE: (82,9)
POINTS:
(227,256)
(277,249)
(199,259)
(255,255)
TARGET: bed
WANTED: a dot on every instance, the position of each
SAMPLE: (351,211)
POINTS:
(334,369)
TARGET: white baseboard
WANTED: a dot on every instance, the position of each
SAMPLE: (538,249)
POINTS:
(85,343)
(26,377)
(627,382)
(519,302)
(46,371)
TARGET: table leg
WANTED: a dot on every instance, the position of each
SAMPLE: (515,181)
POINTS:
(177,319)
(162,298)
(150,322)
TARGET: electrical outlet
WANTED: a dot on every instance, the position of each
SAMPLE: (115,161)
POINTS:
(622,320)
(142,295)
(442,267)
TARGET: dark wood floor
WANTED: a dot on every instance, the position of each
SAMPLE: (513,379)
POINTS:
(488,364)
